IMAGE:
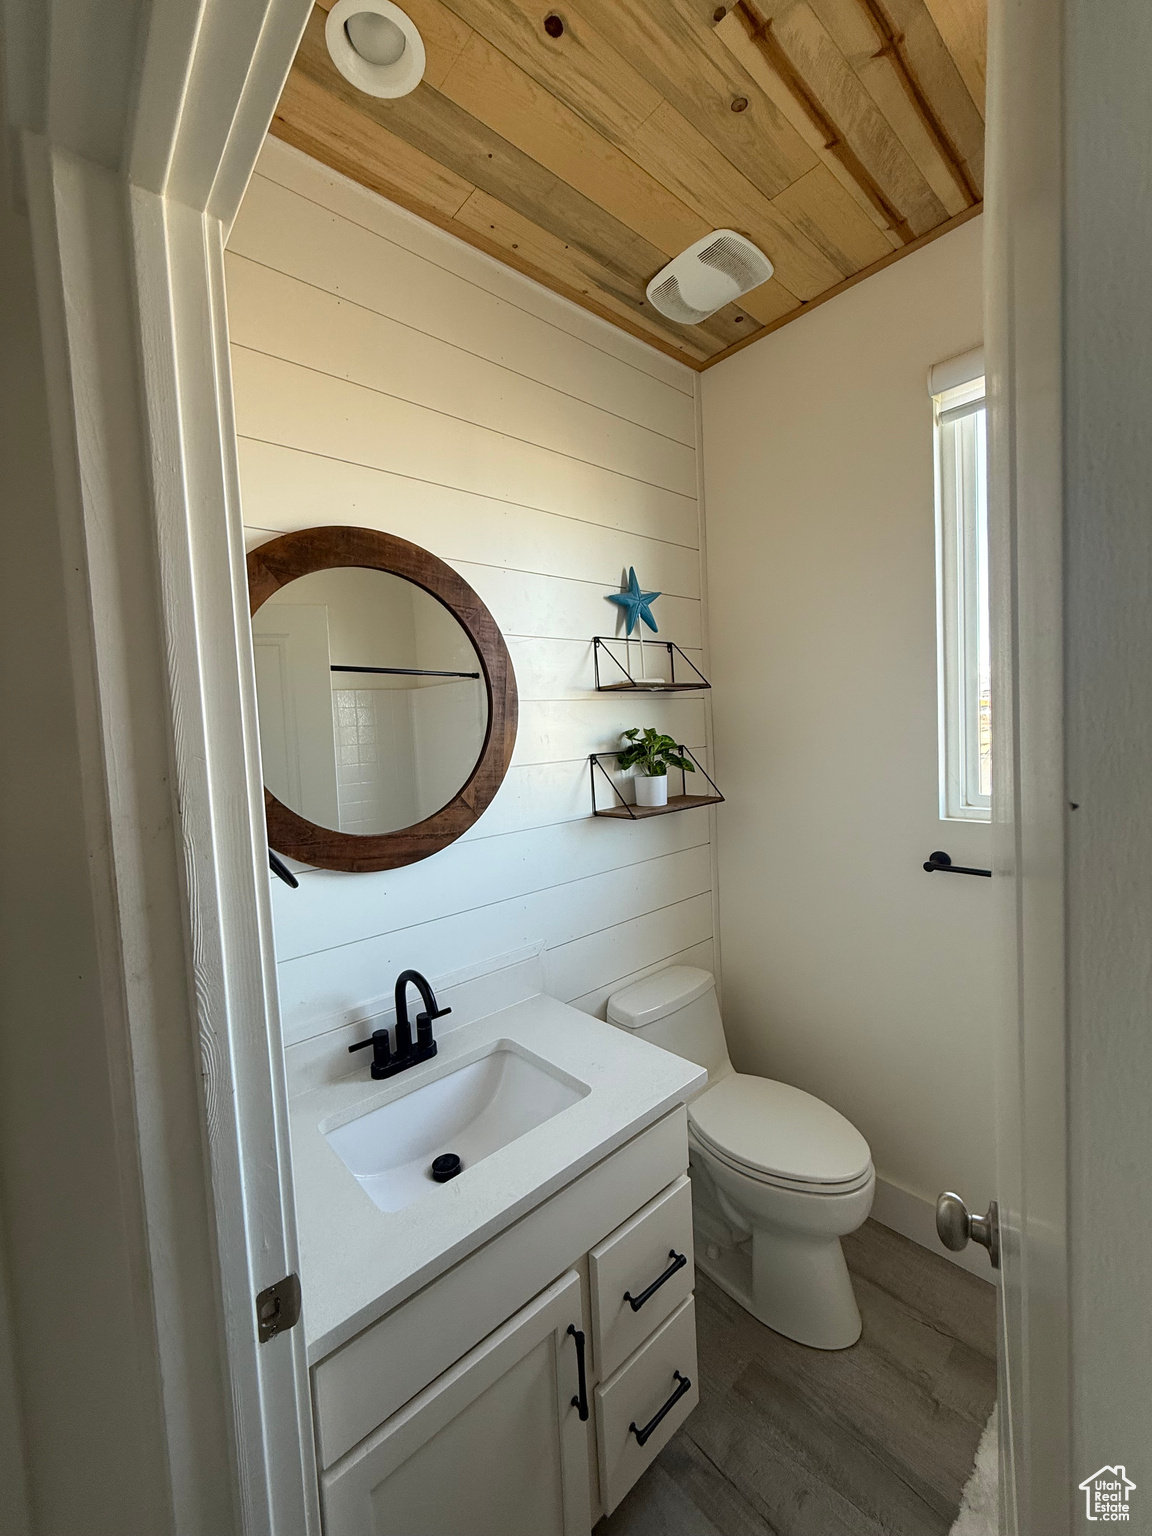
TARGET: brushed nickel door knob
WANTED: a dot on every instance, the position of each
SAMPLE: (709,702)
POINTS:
(955,1226)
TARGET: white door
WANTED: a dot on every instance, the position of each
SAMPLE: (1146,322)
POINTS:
(494,1447)
(1024,347)
(294,685)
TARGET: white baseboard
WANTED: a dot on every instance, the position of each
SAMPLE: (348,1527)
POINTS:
(915,1218)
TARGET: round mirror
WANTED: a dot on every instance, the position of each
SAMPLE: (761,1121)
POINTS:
(373,708)
(381,735)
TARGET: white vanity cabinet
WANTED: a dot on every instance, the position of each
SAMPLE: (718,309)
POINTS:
(493,1447)
(459,1412)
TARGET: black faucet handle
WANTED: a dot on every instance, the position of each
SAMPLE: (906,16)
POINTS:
(424,1040)
(438,1013)
(381,1050)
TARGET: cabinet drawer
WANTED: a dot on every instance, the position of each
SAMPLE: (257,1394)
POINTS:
(651,1380)
(640,1274)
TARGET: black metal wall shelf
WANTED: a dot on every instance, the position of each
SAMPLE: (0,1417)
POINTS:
(626,811)
(626,683)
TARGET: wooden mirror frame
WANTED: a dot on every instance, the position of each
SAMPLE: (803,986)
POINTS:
(272,566)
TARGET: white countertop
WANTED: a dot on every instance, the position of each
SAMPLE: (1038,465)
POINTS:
(358,1262)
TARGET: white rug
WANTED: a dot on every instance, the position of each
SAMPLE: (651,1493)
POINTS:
(980,1507)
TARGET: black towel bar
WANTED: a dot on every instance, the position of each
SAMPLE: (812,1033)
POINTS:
(278,867)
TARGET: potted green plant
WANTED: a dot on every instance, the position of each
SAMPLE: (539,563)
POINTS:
(650,753)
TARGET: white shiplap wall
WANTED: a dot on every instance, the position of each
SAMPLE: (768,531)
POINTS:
(389,376)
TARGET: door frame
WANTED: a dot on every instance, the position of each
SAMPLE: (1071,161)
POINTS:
(1023,333)
(1069,313)
(129,219)
(134,128)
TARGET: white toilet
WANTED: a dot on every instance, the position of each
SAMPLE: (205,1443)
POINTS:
(778,1177)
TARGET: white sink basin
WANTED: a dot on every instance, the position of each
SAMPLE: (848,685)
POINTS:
(473,1111)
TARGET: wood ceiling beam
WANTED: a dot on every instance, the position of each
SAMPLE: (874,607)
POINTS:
(941,80)
(679,57)
(759,30)
(735,31)
(963,29)
(852,30)
(893,49)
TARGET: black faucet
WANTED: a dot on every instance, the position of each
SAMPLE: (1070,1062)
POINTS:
(385,1061)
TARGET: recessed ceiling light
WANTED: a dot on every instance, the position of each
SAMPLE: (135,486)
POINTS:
(375,46)
(375,38)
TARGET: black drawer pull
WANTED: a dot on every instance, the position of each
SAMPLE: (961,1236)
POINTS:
(581,1399)
(653,1424)
(678,1262)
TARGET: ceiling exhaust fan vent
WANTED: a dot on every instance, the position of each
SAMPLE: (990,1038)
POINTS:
(713,272)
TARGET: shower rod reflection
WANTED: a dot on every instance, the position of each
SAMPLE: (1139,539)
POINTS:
(404,671)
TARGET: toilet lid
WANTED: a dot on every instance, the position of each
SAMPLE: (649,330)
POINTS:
(780,1131)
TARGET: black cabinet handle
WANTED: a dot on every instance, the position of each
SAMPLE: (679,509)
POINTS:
(653,1423)
(581,1399)
(678,1262)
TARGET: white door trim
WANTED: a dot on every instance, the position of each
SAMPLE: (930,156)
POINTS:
(204,610)
(1069,316)
(130,294)
(1024,330)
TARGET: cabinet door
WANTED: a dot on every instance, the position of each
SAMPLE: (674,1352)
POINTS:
(494,1447)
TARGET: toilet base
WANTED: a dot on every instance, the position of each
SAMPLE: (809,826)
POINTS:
(802,1289)
(795,1284)
(732,1270)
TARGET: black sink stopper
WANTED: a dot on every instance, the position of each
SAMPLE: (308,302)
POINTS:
(446,1167)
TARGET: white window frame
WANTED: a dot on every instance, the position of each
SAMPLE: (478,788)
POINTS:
(959,430)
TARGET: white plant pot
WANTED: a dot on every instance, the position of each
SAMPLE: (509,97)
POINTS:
(651,791)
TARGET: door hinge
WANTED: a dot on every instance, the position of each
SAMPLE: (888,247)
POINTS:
(278,1308)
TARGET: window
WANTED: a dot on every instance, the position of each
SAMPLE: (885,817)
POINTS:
(962,601)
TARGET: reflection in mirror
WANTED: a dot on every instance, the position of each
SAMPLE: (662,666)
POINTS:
(372,702)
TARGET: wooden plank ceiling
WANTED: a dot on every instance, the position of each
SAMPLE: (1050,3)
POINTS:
(836,134)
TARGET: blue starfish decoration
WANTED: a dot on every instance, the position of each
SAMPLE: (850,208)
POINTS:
(637,605)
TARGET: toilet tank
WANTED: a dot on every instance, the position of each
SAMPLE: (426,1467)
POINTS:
(676,1009)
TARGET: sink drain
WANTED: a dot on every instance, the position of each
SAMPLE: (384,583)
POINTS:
(446,1167)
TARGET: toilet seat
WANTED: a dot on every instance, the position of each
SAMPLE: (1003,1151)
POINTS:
(771,1181)
(779,1135)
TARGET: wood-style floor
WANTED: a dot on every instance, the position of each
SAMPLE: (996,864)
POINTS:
(876,1440)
